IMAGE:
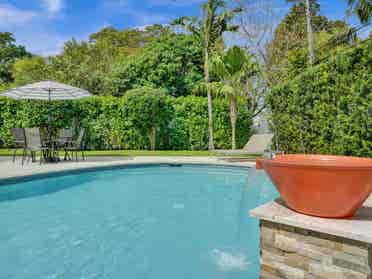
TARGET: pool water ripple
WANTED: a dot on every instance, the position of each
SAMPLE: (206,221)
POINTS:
(146,222)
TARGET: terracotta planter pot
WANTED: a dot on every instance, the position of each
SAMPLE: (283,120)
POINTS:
(259,165)
(320,185)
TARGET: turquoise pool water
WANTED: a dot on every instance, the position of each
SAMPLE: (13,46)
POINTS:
(153,222)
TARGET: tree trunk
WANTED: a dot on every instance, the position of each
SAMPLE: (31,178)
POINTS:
(209,93)
(152,138)
(233,119)
(310,33)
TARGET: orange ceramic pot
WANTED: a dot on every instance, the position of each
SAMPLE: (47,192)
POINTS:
(321,185)
(259,165)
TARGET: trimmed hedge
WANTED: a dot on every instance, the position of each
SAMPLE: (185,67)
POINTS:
(189,127)
(123,123)
(327,109)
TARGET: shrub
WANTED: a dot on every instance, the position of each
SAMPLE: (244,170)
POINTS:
(189,128)
(128,122)
(327,109)
(147,111)
(31,114)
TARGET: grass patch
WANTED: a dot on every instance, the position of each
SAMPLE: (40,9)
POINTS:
(134,153)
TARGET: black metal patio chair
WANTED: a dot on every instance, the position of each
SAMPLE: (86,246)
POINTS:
(76,146)
(65,138)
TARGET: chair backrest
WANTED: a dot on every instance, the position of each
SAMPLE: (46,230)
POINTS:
(33,138)
(79,140)
(258,144)
(66,133)
(19,136)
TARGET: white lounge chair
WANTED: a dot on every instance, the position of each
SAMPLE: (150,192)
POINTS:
(257,145)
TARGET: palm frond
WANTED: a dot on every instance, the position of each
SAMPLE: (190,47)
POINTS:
(189,24)
(362,8)
(234,69)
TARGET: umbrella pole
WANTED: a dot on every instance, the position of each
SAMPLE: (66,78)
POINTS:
(49,155)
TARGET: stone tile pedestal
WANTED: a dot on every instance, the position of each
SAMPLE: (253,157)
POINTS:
(304,247)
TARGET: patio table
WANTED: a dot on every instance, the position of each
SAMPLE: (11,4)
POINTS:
(48,91)
(50,154)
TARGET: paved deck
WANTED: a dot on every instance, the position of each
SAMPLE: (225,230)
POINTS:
(8,169)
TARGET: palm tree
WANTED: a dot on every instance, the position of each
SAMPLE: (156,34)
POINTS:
(233,69)
(215,22)
(363,8)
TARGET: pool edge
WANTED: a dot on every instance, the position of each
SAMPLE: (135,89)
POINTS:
(57,173)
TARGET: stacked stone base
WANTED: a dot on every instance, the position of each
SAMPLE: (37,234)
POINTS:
(289,252)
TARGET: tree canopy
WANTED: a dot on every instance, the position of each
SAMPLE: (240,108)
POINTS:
(9,53)
(30,69)
(173,62)
(287,50)
(234,70)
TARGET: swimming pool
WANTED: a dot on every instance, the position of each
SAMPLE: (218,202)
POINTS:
(154,222)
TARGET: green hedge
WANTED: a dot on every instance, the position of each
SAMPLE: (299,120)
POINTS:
(189,127)
(124,123)
(328,108)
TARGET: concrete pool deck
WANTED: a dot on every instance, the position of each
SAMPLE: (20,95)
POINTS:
(8,169)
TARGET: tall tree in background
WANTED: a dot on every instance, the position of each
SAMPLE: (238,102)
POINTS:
(363,8)
(311,5)
(310,34)
(30,69)
(215,22)
(9,53)
(257,23)
(172,62)
(287,53)
(87,64)
(234,69)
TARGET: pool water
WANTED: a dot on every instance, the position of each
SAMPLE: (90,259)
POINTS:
(154,222)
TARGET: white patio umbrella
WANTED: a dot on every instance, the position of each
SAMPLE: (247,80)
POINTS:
(48,91)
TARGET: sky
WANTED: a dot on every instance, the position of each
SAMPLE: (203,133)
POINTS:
(44,25)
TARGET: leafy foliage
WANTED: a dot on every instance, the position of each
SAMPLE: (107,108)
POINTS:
(148,110)
(127,122)
(29,70)
(208,31)
(27,113)
(9,53)
(327,109)
(173,62)
(363,8)
(234,70)
(287,51)
(188,129)
(87,64)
